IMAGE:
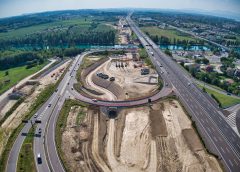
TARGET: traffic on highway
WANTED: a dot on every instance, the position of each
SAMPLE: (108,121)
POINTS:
(215,131)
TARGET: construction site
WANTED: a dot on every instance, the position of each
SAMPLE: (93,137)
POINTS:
(119,78)
(154,137)
(148,138)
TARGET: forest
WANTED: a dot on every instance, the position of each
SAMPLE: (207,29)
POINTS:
(59,29)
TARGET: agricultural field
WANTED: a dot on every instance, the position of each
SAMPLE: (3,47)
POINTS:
(15,75)
(81,23)
(169,33)
(50,30)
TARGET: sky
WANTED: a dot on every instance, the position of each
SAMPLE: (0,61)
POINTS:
(18,7)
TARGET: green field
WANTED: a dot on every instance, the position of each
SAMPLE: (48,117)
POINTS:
(170,33)
(225,100)
(41,27)
(15,75)
(80,23)
(26,156)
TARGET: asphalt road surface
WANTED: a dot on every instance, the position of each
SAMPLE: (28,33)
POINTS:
(218,135)
(216,132)
(44,141)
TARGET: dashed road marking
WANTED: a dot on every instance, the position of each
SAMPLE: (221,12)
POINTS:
(222,149)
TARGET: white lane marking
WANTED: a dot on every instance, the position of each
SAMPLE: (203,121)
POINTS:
(215,138)
(230,162)
(222,149)
(208,129)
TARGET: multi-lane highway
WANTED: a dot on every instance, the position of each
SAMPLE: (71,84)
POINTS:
(216,132)
(44,144)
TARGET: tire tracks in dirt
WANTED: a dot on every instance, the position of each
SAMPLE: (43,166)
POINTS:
(95,148)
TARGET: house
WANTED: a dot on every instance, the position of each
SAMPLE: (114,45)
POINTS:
(192,66)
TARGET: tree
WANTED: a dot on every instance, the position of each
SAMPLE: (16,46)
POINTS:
(168,52)
(6,73)
(205,61)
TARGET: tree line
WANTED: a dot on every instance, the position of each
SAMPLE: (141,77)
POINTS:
(164,40)
(27,58)
(62,39)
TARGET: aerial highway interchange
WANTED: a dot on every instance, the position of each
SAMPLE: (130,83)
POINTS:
(215,131)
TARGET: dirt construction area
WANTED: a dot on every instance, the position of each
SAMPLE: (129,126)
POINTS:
(16,117)
(156,138)
(128,83)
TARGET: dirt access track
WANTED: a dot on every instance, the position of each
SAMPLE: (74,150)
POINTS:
(156,138)
(128,84)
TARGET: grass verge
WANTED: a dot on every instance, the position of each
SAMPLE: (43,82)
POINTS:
(61,124)
(223,100)
(41,98)
(26,156)
(15,75)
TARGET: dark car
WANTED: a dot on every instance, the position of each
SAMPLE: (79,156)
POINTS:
(39,158)
(105,76)
(112,79)
(49,105)
(39,130)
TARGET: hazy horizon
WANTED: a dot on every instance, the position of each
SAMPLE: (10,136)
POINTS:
(15,7)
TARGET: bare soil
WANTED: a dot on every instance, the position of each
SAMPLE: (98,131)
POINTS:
(156,138)
(13,121)
(130,80)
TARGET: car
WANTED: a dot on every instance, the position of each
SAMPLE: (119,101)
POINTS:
(189,84)
(166,84)
(72,88)
(39,130)
(229,94)
(105,76)
(36,115)
(112,79)
(68,83)
(39,158)
(56,90)
(94,100)
(99,74)
(49,105)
